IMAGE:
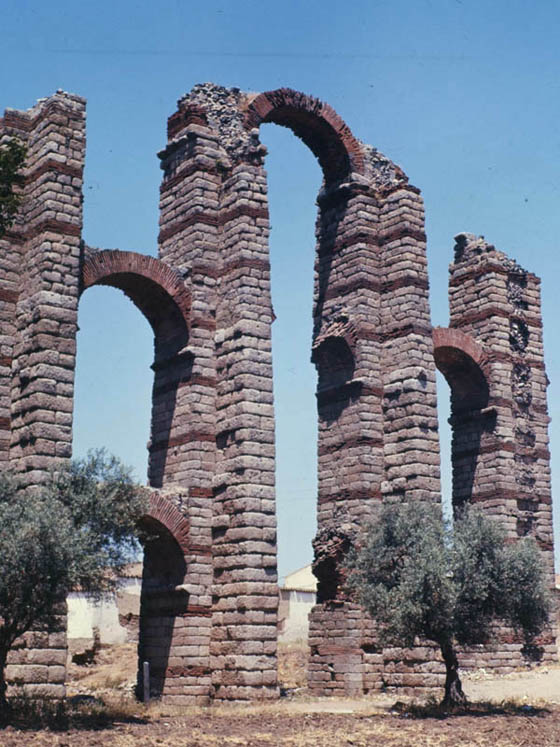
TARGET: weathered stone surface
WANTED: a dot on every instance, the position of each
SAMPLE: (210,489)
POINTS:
(210,597)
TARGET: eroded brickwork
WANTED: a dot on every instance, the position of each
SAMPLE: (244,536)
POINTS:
(209,599)
(40,275)
(492,356)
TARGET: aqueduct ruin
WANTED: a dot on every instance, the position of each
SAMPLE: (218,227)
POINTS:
(209,600)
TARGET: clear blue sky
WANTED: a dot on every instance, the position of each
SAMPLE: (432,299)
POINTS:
(464,95)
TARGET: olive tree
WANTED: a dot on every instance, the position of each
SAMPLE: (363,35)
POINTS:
(419,576)
(64,535)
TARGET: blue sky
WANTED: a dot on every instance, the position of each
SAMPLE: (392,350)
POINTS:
(464,95)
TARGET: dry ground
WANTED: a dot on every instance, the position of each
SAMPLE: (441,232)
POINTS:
(530,717)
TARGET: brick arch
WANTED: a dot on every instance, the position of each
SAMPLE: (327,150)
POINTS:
(446,337)
(464,364)
(154,287)
(316,123)
(168,515)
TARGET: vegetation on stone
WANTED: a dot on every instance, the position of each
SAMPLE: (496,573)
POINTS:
(61,536)
(12,157)
(419,576)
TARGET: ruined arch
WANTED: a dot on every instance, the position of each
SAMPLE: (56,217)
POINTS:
(159,292)
(335,343)
(164,599)
(162,510)
(154,288)
(323,131)
(463,362)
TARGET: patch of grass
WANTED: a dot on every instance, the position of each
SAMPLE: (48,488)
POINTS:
(113,681)
(112,668)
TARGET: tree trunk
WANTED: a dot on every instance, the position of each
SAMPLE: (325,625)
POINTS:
(454,695)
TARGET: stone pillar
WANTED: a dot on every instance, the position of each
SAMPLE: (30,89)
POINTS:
(346,351)
(41,271)
(175,607)
(377,407)
(477,290)
(46,310)
(244,530)
(14,124)
(497,303)
(183,443)
(182,448)
(506,468)
(410,424)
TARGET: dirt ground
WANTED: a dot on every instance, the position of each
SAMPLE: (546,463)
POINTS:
(260,727)
(522,708)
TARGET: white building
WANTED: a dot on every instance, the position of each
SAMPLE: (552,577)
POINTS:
(112,618)
(297,596)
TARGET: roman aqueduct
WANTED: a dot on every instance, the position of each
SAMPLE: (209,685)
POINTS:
(209,600)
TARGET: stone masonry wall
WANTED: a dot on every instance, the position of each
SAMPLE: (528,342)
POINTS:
(48,237)
(40,277)
(500,427)
(394,455)
(208,625)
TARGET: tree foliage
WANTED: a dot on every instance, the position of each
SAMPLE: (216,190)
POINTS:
(419,576)
(61,537)
(12,157)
